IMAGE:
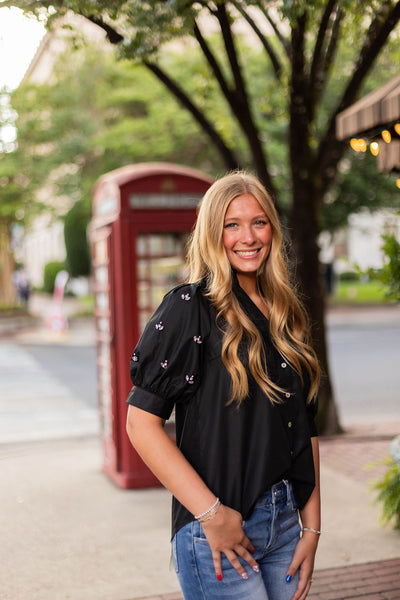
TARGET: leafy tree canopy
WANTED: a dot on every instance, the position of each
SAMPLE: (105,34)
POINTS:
(95,115)
(258,81)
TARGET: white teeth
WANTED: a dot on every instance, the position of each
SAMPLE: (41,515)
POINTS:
(248,253)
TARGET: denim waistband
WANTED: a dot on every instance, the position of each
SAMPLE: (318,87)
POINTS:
(281,492)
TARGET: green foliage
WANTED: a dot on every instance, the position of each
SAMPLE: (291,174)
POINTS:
(110,114)
(349,276)
(76,243)
(50,273)
(390,274)
(97,114)
(389,493)
(358,185)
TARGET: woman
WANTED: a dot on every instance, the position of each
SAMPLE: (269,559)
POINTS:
(229,351)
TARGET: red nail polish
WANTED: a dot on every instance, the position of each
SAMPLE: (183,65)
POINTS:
(252,551)
(219,577)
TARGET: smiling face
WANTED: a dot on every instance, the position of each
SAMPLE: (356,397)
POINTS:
(247,235)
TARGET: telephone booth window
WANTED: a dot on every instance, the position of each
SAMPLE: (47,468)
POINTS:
(161,266)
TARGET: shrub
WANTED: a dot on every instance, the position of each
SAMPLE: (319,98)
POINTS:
(391,271)
(389,487)
(49,274)
(349,276)
(76,244)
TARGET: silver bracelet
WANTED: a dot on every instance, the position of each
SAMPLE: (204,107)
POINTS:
(207,514)
(312,530)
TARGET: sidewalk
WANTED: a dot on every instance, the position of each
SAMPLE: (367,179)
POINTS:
(68,532)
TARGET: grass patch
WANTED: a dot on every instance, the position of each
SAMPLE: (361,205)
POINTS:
(359,292)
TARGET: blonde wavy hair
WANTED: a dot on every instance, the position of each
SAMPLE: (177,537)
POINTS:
(207,258)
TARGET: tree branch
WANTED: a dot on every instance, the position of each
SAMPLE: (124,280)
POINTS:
(276,65)
(319,44)
(229,158)
(212,61)
(240,102)
(240,86)
(112,34)
(319,72)
(284,41)
(333,43)
(299,93)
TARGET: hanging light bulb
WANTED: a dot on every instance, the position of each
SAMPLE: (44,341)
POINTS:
(362,144)
(358,145)
(397,128)
(386,136)
(374,147)
(354,144)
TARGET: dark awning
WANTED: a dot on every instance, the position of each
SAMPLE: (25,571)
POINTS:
(367,118)
(378,109)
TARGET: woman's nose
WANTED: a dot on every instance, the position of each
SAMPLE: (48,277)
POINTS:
(248,235)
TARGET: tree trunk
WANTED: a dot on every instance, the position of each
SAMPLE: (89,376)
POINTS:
(7,293)
(304,227)
(304,221)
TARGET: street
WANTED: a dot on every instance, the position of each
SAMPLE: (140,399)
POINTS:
(48,387)
(365,370)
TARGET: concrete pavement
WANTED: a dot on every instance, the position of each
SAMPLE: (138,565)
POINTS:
(70,533)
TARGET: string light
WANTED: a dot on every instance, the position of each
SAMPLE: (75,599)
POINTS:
(374,147)
(358,145)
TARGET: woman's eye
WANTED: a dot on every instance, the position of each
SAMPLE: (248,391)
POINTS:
(261,222)
(230,225)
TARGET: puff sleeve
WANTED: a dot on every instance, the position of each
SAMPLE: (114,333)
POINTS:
(165,366)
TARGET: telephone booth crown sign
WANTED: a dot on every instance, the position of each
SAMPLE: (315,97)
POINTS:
(142,216)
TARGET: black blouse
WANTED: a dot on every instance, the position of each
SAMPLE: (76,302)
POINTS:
(238,452)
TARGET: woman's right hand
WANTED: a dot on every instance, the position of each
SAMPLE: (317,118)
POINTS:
(225,534)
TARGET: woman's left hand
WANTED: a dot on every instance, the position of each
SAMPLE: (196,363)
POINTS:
(303,560)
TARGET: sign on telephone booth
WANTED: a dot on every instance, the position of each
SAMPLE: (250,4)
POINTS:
(142,217)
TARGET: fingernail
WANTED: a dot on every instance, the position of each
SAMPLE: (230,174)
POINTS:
(219,577)
(244,576)
(288,578)
(252,551)
(256,568)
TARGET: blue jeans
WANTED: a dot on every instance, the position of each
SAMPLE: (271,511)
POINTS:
(274,530)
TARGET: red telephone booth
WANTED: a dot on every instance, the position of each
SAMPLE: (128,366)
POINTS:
(142,216)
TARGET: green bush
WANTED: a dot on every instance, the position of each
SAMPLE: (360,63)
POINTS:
(389,486)
(389,493)
(49,274)
(391,271)
(349,276)
(76,244)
